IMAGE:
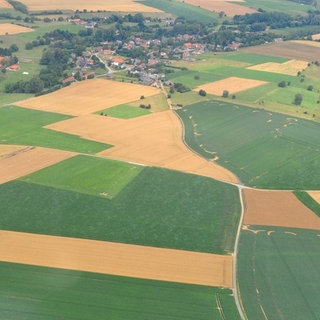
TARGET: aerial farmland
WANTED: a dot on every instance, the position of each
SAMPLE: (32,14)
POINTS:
(159,160)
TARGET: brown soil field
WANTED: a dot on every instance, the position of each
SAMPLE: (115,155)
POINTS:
(277,208)
(116,258)
(19,162)
(95,5)
(315,195)
(154,139)
(5,4)
(287,49)
(8,28)
(232,84)
(290,67)
(230,9)
(88,96)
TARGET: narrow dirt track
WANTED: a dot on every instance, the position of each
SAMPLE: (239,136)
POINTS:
(116,258)
(20,161)
(154,139)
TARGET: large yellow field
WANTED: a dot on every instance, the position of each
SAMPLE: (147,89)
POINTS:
(5,4)
(232,84)
(290,67)
(119,5)
(88,96)
(9,28)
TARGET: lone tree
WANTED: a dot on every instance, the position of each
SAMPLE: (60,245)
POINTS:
(225,94)
(202,93)
(298,99)
(282,84)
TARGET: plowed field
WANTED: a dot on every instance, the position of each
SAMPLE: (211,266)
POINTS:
(22,161)
(117,259)
(155,139)
(88,96)
(277,208)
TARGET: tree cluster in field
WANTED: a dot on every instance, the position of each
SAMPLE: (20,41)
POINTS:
(34,85)
(145,106)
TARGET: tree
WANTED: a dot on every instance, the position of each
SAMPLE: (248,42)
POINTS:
(310,88)
(298,99)
(225,94)
(202,93)
(282,84)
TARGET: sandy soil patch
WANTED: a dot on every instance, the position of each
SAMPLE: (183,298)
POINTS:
(117,259)
(290,67)
(23,161)
(232,84)
(277,208)
(5,4)
(88,96)
(301,50)
(119,5)
(9,28)
(315,195)
(153,139)
(230,9)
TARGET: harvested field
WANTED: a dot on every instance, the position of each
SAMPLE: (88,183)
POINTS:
(116,258)
(153,139)
(315,195)
(88,96)
(95,5)
(232,84)
(9,28)
(315,37)
(272,208)
(23,161)
(307,43)
(290,67)
(288,49)
(230,9)
(5,4)
(7,150)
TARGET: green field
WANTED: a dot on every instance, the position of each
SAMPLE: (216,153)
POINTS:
(251,58)
(280,273)
(24,126)
(160,208)
(38,293)
(266,150)
(179,9)
(124,111)
(86,174)
(306,199)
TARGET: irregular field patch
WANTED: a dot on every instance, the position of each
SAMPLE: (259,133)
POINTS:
(315,195)
(278,273)
(288,49)
(5,4)
(290,67)
(232,84)
(90,175)
(145,212)
(154,139)
(25,127)
(8,150)
(282,208)
(9,28)
(309,200)
(27,160)
(42,293)
(121,5)
(88,96)
(117,259)
(230,9)
(125,111)
(264,149)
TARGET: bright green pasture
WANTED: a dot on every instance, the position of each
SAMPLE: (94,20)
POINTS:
(179,9)
(38,293)
(160,208)
(266,150)
(193,79)
(86,174)
(10,98)
(286,6)
(24,126)
(279,273)
(306,199)
(125,111)
(252,58)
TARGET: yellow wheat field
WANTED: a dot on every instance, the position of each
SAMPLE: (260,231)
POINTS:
(88,96)
(290,67)
(119,5)
(232,84)
(9,28)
